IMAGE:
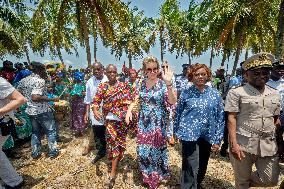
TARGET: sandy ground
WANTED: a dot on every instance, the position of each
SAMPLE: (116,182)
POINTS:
(71,170)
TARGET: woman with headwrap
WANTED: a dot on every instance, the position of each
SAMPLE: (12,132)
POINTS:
(77,104)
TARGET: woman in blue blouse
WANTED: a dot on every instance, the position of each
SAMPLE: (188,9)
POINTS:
(199,124)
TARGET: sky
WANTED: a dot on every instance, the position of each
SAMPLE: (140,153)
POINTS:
(151,9)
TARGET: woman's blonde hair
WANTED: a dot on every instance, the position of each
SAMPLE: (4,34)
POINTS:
(193,68)
(149,59)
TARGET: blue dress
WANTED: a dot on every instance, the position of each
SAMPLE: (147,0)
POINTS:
(151,137)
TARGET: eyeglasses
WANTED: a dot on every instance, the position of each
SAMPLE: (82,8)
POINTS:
(200,74)
(165,66)
(150,70)
(260,73)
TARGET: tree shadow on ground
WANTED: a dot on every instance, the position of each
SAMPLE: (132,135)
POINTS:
(217,156)
(215,183)
(30,181)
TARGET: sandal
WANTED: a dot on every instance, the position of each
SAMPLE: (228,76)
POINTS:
(110,183)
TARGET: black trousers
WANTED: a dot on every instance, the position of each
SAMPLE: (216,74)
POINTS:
(195,156)
(225,145)
(100,139)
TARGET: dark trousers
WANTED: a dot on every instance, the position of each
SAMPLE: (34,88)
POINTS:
(100,139)
(225,145)
(195,156)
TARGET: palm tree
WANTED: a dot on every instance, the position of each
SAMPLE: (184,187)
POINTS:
(102,16)
(14,28)
(238,22)
(279,39)
(133,39)
(50,32)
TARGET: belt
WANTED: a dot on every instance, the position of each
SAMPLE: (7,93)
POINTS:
(258,132)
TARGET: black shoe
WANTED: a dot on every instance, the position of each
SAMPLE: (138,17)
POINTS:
(96,159)
(15,187)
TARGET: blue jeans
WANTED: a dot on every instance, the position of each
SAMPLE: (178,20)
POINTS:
(46,122)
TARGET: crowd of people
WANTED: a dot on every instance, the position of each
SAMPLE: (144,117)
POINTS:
(160,108)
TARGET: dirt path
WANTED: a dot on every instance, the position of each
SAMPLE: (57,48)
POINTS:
(71,170)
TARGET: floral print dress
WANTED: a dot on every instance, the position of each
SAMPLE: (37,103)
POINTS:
(116,100)
(78,108)
(152,136)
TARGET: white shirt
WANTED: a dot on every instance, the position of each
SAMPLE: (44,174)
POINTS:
(91,89)
(6,89)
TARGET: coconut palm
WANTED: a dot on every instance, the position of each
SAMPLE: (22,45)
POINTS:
(14,28)
(242,24)
(136,38)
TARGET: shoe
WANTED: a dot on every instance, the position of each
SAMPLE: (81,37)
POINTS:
(96,159)
(53,154)
(110,183)
(87,150)
(15,187)
(36,156)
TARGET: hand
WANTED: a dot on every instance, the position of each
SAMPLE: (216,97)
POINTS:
(98,115)
(55,99)
(128,117)
(237,152)
(215,147)
(277,123)
(86,118)
(167,75)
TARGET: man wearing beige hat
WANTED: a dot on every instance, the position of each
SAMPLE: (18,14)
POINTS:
(253,111)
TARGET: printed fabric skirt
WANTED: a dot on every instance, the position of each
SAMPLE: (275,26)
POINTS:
(116,132)
(77,115)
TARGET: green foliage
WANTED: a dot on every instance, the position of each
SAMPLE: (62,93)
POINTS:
(135,38)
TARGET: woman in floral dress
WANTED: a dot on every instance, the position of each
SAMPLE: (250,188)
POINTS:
(77,104)
(154,96)
(116,98)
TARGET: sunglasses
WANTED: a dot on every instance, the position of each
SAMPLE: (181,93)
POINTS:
(150,70)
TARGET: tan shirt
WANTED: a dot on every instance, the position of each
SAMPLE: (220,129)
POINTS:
(255,118)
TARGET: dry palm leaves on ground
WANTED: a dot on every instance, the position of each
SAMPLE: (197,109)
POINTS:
(71,170)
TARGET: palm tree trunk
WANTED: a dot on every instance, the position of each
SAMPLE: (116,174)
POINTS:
(86,34)
(238,52)
(212,56)
(59,54)
(279,41)
(27,54)
(247,52)
(189,57)
(95,45)
(224,58)
(162,43)
(130,59)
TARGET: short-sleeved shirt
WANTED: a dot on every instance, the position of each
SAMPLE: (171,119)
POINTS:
(34,85)
(279,86)
(91,89)
(255,118)
(6,89)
